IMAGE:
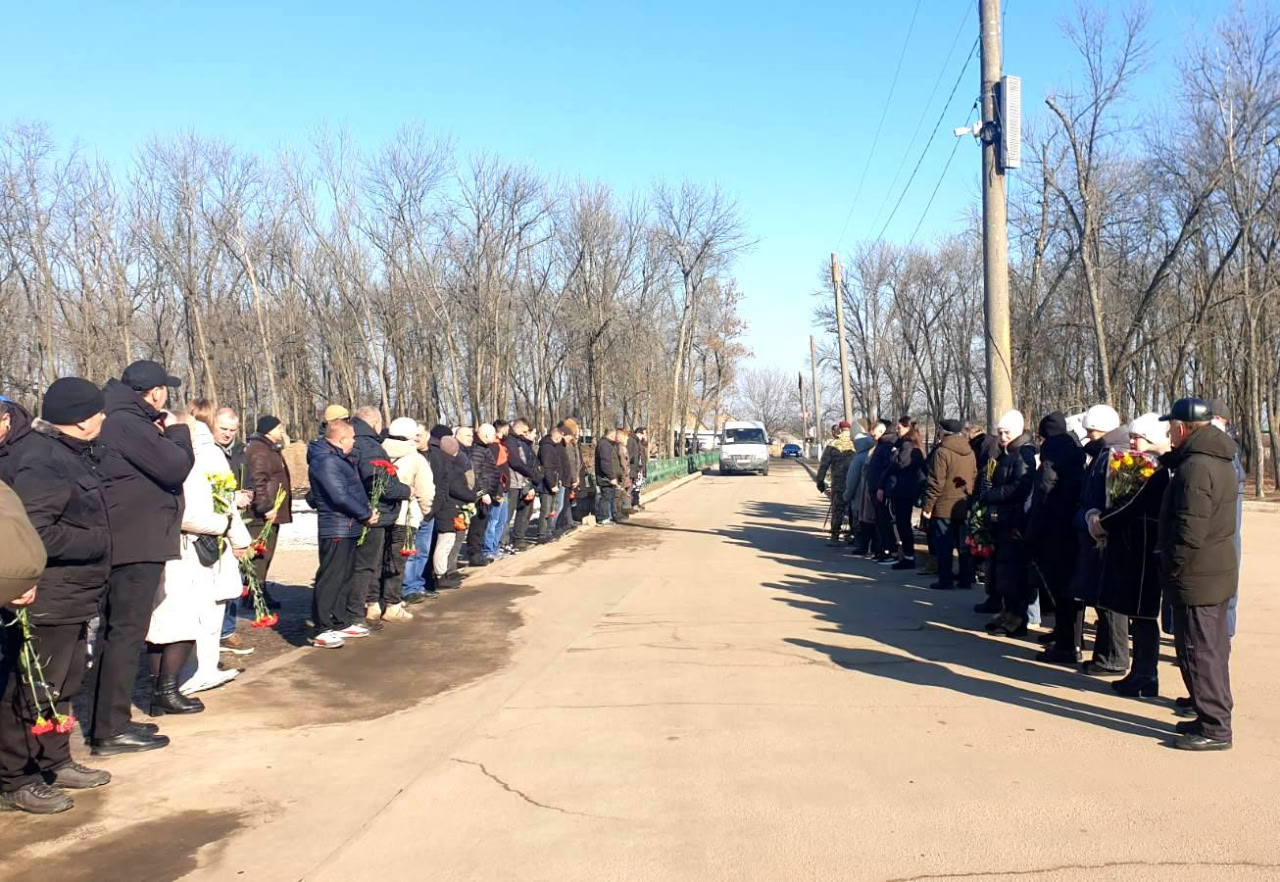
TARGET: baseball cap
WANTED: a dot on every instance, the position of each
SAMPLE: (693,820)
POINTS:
(336,412)
(1189,410)
(144,375)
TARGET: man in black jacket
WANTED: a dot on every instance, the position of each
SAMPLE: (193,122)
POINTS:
(484,464)
(1199,568)
(608,477)
(1051,534)
(55,470)
(525,477)
(366,598)
(142,485)
(879,470)
(551,458)
(1006,501)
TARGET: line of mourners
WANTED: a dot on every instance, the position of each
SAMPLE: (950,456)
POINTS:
(128,525)
(1140,521)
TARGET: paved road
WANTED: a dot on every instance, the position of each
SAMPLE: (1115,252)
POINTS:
(706,693)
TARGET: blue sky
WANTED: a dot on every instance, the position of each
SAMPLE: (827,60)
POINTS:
(778,103)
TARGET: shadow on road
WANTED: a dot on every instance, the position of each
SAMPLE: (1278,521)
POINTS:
(925,633)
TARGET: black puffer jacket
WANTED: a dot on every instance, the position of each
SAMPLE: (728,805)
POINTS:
(551,458)
(1198,563)
(60,483)
(1011,485)
(452,489)
(484,462)
(906,472)
(368,448)
(143,483)
(1051,537)
(880,465)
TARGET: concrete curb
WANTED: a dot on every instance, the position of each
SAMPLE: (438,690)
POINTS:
(1262,507)
(498,568)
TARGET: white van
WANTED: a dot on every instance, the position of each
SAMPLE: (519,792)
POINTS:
(745,448)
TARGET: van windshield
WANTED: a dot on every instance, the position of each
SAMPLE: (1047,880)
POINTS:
(744,436)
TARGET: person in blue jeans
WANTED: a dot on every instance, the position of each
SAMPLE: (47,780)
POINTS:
(415,588)
(497,524)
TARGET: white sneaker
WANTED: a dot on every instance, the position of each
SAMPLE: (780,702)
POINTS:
(216,679)
(604,522)
(356,630)
(328,640)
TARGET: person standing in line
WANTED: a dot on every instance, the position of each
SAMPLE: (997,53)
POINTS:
(524,481)
(422,520)
(411,470)
(1006,500)
(572,464)
(1127,534)
(498,516)
(638,456)
(551,461)
(342,511)
(855,490)
(267,475)
(484,463)
(986,450)
(906,479)
(879,469)
(143,491)
(1051,534)
(1105,434)
(25,559)
(607,476)
(952,478)
(369,560)
(1198,567)
(454,491)
(54,468)
(834,464)
(622,500)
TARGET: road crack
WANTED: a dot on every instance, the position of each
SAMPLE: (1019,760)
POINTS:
(1010,874)
(524,796)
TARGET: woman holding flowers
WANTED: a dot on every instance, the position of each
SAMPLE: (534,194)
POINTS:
(1127,531)
(195,588)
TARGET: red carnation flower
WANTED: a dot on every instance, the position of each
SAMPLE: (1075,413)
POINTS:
(42,726)
(65,724)
(408,552)
(266,621)
(384,465)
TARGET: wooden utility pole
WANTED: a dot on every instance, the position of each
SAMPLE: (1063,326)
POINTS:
(817,396)
(995,224)
(844,363)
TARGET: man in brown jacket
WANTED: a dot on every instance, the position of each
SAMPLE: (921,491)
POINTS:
(952,478)
(1198,566)
(23,559)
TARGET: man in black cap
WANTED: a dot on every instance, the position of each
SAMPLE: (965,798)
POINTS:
(1198,566)
(55,469)
(143,490)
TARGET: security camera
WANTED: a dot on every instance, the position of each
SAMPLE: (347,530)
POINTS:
(968,130)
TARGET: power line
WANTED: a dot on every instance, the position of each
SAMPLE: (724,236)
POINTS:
(924,111)
(883,113)
(938,185)
(946,107)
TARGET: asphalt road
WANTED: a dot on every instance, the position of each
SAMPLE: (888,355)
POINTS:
(706,693)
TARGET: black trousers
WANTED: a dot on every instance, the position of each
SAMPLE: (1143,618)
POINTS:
(1111,641)
(884,527)
(335,583)
(902,512)
(475,531)
(23,756)
(546,515)
(565,520)
(368,572)
(126,614)
(1146,647)
(1204,652)
(522,510)
(1068,613)
(946,540)
(388,589)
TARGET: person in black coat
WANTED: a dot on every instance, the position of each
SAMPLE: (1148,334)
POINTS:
(526,476)
(904,484)
(879,468)
(1051,537)
(1128,534)
(1006,501)
(484,463)
(364,602)
(608,477)
(551,458)
(142,486)
(453,491)
(56,471)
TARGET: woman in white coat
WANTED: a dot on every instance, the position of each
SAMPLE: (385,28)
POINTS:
(190,602)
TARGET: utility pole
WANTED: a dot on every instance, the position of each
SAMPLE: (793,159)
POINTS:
(817,396)
(995,224)
(844,364)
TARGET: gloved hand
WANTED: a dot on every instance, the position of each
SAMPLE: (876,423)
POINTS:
(822,486)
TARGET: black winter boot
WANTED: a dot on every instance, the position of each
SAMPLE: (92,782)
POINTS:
(166,699)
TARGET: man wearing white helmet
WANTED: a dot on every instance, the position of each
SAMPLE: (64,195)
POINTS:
(1105,433)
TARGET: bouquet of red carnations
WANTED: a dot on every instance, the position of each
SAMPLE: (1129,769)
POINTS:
(383,472)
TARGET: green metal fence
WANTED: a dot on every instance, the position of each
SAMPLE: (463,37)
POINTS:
(678,466)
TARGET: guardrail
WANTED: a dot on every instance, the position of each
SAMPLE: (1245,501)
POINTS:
(677,466)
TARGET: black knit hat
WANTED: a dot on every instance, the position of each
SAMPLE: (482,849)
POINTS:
(441,431)
(1053,424)
(71,400)
(951,427)
(267,424)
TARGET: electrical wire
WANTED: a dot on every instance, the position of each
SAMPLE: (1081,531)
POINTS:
(857,193)
(924,112)
(938,185)
(945,108)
